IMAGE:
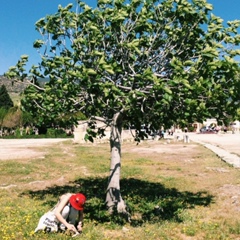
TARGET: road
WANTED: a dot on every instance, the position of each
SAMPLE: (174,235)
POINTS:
(229,142)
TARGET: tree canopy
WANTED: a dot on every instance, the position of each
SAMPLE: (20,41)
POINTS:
(158,62)
(155,62)
(5,100)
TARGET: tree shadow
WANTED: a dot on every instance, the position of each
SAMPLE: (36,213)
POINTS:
(151,202)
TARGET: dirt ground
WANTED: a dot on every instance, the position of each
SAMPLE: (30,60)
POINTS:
(32,148)
(25,148)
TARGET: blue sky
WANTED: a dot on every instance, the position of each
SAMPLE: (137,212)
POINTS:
(18,17)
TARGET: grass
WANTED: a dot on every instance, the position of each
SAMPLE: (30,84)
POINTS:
(173,191)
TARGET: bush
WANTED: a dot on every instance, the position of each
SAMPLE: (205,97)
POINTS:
(52,132)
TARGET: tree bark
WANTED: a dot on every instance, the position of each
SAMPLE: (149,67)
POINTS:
(114,200)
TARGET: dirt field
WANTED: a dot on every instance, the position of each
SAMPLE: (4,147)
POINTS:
(24,148)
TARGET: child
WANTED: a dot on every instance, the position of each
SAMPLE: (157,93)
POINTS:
(66,215)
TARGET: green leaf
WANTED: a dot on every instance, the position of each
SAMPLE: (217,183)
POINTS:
(210,52)
(109,70)
(87,8)
(93,28)
(186,84)
(167,90)
(104,1)
(38,43)
(24,57)
(91,72)
(188,63)
(97,53)
(209,6)
(102,61)
(40,23)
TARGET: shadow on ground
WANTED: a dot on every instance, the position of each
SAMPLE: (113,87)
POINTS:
(149,201)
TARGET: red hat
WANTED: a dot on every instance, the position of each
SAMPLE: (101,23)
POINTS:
(77,201)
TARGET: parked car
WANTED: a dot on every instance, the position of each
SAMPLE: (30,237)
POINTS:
(208,130)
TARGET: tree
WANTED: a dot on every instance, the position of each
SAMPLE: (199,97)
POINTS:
(135,62)
(13,118)
(5,100)
(3,113)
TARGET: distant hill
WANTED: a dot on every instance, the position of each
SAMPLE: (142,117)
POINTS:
(14,88)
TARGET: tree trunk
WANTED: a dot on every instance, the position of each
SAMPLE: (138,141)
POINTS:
(114,200)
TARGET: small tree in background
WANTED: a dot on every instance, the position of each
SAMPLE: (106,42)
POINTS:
(5,100)
(5,104)
(13,118)
(134,62)
(3,113)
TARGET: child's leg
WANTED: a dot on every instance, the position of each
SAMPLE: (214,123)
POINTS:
(65,214)
(73,216)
